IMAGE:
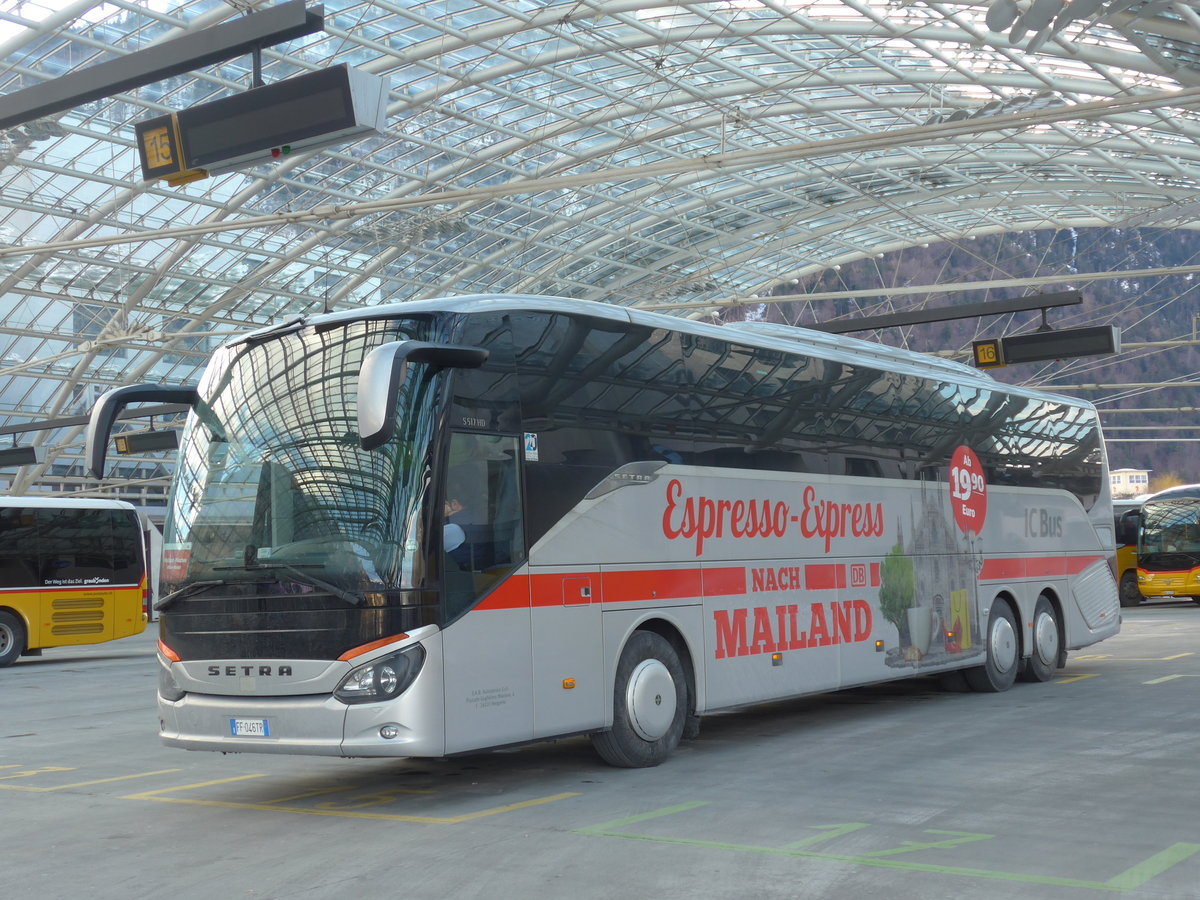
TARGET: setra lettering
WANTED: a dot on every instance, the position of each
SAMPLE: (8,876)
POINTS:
(246,670)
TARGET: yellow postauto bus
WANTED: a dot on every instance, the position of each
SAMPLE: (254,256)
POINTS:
(1127,517)
(1168,557)
(72,571)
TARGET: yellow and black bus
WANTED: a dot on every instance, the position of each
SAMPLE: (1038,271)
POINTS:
(1127,517)
(72,571)
(1168,556)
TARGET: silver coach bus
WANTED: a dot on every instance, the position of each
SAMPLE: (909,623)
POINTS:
(443,526)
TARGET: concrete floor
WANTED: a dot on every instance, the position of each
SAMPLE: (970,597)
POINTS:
(1081,787)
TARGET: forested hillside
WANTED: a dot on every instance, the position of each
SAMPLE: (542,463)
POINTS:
(1150,308)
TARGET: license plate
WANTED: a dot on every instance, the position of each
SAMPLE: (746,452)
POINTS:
(249,728)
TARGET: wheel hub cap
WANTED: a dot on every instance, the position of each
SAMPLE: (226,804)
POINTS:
(1003,644)
(650,699)
(1045,639)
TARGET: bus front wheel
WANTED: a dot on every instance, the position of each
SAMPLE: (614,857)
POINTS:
(1003,652)
(12,638)
(1131,595)
(649,704)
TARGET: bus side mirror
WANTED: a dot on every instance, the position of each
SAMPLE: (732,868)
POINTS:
(110,405)
(384,370)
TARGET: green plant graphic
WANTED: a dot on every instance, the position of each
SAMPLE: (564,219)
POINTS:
(897,590)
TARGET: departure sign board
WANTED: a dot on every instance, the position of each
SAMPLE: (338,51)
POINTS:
(1067,343)
(302,113)
(1063,344)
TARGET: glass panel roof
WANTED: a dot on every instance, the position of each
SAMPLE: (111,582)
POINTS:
(669,155)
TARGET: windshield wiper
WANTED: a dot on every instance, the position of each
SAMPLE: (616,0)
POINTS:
(304,577)
(186,591)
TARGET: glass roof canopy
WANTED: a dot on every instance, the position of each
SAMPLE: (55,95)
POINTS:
(669,155)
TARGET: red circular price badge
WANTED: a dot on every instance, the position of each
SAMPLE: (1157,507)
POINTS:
(968,491)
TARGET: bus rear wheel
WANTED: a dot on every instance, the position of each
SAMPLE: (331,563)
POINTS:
(12,638)
(1047,644)
(1003,652)
(649,704)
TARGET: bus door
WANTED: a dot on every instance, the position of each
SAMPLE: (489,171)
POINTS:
(486,641)
(568,670)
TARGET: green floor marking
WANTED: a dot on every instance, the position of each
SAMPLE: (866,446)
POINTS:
(1167,678)
(606,827)
(1132,878)
(1136,876)
(964,837)
(831,831)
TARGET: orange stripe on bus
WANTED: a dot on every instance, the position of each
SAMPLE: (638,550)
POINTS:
(373,645)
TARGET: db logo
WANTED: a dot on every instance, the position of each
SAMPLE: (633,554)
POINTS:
(858,575)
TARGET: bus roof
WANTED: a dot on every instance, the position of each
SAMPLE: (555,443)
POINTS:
(36,502)
(1179,492)
(820,344)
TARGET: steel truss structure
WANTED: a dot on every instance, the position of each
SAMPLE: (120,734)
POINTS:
(677,156)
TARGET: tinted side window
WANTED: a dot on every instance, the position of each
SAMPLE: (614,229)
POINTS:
(76,546)
(1127,525)
(599,394)
(18,562)
(486,398)
(483,534)
(128,547)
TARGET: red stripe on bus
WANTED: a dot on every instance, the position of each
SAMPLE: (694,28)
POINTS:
(650,584)
(1035,567)
(724,582)
(624,586)
(825,576)
(511,593)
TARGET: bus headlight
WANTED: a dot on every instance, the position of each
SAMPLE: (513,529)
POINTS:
(382,679)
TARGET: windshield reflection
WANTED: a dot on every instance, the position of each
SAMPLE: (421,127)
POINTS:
(272,484)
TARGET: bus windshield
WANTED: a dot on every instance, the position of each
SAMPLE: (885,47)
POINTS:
(272,485)
(1170,533)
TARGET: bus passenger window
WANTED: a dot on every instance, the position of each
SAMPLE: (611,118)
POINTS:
(482,531)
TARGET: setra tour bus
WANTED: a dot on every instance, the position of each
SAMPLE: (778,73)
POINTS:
(72,571)
(1168,557)
(442,526)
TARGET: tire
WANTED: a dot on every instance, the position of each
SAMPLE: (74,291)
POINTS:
(650,704)
(1003,652)
(1047,643)
(1130,594)
(12,638)
(953,682)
